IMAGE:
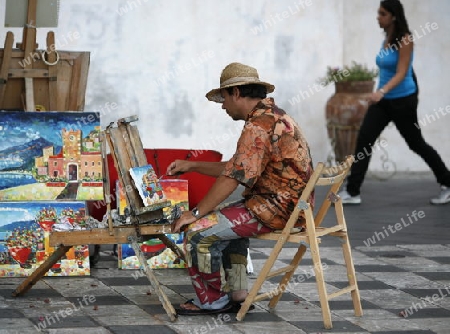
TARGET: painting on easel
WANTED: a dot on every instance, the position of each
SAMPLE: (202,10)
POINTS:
(157,254)
(24,238)
(50,156)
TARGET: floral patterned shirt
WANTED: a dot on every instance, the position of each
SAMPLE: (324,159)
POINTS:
(273,162)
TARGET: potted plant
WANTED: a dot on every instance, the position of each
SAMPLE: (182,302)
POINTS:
(351,74)
(346,108)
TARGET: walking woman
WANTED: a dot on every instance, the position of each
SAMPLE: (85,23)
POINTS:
(395,100)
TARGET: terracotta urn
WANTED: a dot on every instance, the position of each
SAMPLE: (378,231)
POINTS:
(345,111)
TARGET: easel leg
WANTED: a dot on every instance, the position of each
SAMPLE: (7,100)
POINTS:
(159,291)
(169,243)
(40,271)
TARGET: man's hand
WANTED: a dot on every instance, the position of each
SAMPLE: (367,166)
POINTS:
(185,219)
(178,167)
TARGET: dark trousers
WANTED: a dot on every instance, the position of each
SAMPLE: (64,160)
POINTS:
(403,112)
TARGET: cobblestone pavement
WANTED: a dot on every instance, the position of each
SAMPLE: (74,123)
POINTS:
(403,275)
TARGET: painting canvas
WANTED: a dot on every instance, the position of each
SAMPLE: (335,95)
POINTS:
(157,254)
(50,156)
(24,238)
(148,185)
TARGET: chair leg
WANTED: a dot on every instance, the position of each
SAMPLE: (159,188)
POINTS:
(321,288)
(260,279)
(288,275)
(346,249)
(347,252)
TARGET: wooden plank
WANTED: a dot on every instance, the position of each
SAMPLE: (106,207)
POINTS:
(121,154)
(64,78)
(52,72)
(63,55)
(31,12)
(101,236)
(9,41)
(30,41)
(36,275)
(28,73)
(29,95)
(74,86)
(125,136)
(136,144)
(84,59)
(106,184)
(153,280)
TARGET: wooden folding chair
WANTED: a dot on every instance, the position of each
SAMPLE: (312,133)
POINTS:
(331,177)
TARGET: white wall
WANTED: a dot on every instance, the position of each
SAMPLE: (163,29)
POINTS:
(157,59)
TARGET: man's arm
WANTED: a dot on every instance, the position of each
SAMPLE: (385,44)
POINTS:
(221,189)
(203,167)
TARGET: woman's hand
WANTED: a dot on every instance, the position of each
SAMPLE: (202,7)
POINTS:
(185,219)
(375,97)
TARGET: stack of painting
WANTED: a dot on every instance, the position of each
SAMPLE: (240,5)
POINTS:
(50,165)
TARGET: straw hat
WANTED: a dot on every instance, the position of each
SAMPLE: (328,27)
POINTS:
(236,74)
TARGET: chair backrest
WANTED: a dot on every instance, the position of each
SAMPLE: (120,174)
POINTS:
(331,177)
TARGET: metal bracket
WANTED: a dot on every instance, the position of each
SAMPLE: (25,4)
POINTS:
(333,198)
(302,205)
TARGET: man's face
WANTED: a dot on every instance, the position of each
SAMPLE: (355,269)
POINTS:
(229,103)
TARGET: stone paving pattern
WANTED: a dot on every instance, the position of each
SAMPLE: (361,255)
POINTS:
(404,281)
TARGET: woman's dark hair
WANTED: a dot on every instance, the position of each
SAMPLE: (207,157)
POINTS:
(401,25)
(252,90)
(395,7)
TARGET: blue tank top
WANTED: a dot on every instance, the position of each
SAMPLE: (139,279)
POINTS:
(387,60)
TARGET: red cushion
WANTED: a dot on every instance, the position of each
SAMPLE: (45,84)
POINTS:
(160,159)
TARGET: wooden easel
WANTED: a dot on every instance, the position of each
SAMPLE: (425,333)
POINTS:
(41,70)
(28,46)
(127,151)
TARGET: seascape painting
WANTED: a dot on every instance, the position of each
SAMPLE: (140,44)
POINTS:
(50,156)
(24,238)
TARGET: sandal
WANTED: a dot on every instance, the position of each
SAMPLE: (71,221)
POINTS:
(183,311)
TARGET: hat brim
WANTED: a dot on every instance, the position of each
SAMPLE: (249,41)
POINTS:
(215,96)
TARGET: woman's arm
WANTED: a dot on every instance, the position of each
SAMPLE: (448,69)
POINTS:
(405,52)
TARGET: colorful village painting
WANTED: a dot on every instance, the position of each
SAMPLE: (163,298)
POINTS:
(157,254)
(148,185)
(50,156)
(24,238)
